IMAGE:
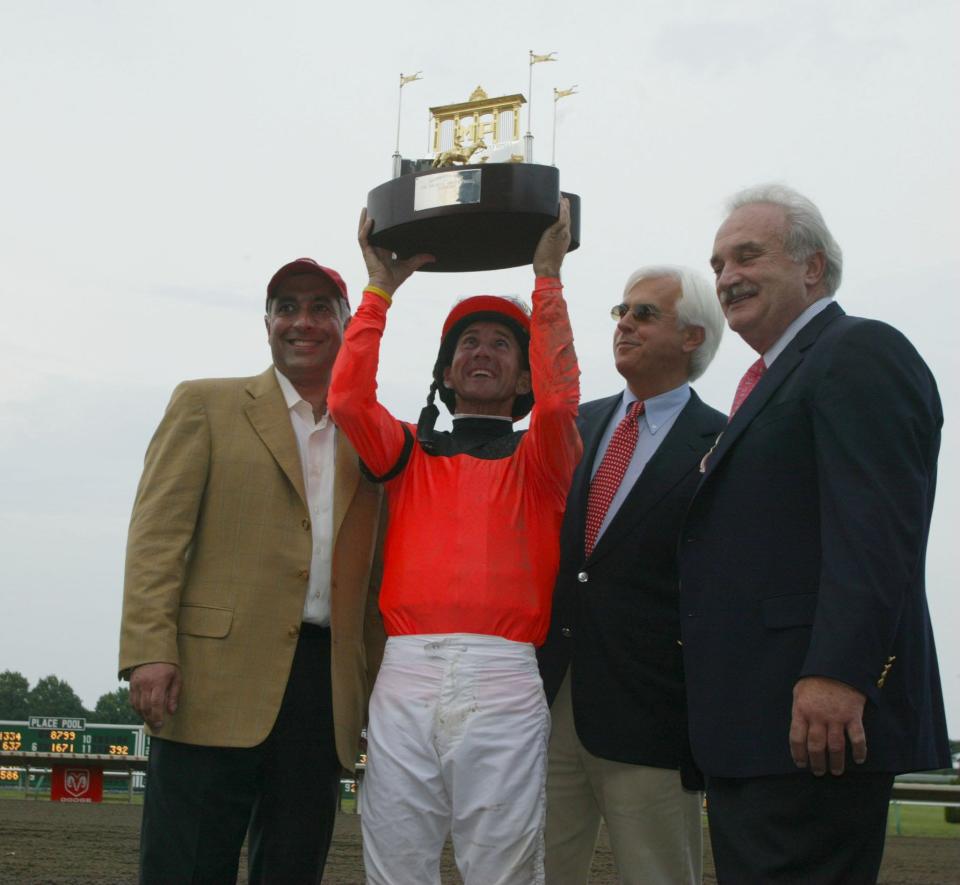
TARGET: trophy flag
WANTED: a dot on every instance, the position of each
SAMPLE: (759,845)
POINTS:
(404,79)
(528,138)
(557,95)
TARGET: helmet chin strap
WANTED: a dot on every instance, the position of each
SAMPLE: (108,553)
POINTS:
(428,420)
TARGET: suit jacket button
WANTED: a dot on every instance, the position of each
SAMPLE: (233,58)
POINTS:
(566,631)
(303,573)
(306,525)
(583,577)
(293,631)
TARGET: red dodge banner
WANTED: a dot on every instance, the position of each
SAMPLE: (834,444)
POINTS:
(70,783)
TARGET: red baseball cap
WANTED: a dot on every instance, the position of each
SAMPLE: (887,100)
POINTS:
(307,265)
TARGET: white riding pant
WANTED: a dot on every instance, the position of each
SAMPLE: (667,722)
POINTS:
(456,744)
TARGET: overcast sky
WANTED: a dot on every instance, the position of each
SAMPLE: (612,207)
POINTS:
(158,161)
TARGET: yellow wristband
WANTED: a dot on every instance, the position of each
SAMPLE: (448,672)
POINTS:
(376,290)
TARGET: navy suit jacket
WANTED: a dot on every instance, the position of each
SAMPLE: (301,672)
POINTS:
(615,614)
(803,554)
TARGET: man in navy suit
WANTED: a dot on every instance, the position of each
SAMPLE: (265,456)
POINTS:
(612,663)
(811,671)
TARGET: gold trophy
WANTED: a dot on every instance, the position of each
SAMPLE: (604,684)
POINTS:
(480,202)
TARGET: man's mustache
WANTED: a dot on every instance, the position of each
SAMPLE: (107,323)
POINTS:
(737,290)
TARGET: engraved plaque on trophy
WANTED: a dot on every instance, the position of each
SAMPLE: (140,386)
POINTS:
(477,204)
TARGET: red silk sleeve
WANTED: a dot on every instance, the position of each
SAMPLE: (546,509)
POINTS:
(553,438)
(352,399)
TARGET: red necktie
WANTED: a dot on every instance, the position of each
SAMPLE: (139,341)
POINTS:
(747,383)
(610,473)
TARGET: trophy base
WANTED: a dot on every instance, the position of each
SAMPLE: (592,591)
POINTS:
(479,217)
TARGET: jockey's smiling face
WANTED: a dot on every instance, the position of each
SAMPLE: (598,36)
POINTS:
(486,374)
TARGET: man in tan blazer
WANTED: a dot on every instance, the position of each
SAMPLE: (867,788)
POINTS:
(250,630)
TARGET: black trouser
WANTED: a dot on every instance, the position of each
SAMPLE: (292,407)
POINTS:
(200,801)
(798,828)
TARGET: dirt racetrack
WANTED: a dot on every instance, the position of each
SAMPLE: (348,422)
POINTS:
(46,843)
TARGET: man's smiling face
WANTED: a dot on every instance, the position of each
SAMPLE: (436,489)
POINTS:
(761,288)
(304,326)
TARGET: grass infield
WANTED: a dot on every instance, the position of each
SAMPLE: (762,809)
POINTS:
(919,820)
(902,819)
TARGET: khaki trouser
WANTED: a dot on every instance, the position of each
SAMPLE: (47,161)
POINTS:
(654,825)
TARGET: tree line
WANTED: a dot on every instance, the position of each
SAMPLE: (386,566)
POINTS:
(54,697)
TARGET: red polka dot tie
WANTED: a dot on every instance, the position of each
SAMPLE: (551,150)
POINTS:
(747,383)
(610,473)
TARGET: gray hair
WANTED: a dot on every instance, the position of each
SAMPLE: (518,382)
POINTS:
(697,306)
(343,311)
(807,232)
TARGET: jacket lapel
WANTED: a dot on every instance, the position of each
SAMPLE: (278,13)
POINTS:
(781,369)
(270,418)
(346,478)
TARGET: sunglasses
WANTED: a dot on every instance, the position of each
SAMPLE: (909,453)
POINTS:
(642,313)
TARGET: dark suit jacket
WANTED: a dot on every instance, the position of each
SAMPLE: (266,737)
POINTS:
(615,615)
(803,554)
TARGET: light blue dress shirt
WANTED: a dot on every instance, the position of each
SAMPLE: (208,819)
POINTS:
(659,414)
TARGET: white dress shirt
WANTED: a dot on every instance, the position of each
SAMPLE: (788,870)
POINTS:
(791,331)
(317,443)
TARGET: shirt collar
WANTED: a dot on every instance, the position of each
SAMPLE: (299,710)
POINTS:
(660,408)
(791,331)
(296,403)
(289,392)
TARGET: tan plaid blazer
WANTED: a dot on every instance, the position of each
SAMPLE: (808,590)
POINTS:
(217,564)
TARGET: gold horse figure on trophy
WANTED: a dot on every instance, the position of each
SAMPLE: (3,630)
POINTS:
(458,153)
